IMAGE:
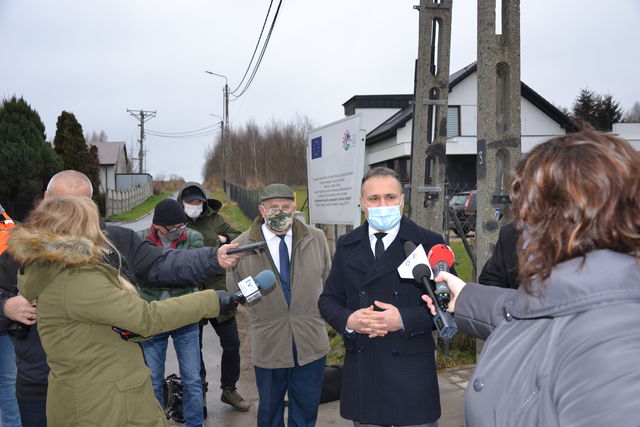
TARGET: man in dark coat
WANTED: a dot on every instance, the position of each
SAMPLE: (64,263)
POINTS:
(389,375)
(203,216)
(501,269)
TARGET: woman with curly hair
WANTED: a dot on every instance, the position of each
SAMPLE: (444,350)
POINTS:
(562,350)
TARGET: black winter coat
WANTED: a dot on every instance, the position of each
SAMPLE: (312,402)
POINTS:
(502,268)
(390,379)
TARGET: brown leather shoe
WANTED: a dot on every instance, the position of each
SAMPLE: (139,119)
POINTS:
(231,397)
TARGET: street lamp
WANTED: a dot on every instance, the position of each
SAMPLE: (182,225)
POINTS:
(225,105)
(225,121)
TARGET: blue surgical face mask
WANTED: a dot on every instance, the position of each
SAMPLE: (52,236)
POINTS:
(383,218)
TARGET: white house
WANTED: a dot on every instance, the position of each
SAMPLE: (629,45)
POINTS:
(113,160)
(628,131)
(388,122)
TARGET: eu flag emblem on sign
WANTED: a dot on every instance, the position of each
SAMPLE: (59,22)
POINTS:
(316,148)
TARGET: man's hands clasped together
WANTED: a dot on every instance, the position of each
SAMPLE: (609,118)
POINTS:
(375,323)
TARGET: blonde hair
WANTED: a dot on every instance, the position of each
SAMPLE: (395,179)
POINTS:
(74,216)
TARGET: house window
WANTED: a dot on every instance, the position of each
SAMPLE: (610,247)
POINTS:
(453,121)
(401,165)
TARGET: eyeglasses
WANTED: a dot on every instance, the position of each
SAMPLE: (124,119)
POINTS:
(180,228)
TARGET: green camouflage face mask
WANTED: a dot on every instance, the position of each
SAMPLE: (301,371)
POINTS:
(279,220)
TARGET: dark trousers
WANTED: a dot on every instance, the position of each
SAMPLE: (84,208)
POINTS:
(230,343)
(302,384)
(33,413)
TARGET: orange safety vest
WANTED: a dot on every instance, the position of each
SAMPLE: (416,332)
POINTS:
(6,223)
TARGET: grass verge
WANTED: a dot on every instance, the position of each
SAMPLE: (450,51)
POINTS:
(142,209)
(230,211)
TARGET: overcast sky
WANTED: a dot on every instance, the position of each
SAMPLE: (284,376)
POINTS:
(98,58)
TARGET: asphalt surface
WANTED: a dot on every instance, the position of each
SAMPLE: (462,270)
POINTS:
(452,382)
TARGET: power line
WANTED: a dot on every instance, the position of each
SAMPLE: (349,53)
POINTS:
(183,133)
(264,24)
(195,135)
(264,48)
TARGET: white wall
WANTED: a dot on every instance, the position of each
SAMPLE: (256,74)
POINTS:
(373,117)
(536,126)
(628,131)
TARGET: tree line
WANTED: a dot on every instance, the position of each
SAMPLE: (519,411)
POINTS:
(253,157)
(28,161)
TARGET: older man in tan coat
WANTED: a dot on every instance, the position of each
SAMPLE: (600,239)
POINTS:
(288,336)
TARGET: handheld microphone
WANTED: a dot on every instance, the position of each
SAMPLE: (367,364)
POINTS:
(444,321)
(441,258)
(250,287)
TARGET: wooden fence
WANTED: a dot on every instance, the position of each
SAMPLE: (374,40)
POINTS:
(121,201)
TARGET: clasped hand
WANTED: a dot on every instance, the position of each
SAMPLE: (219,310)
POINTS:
(375,323)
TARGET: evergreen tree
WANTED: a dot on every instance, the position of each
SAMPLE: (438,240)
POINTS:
(27,161)
(601,111)
(70,145)
(93,168)
(585,106)
(608,113)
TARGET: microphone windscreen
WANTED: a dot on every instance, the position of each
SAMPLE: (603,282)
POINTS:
(409,247)
(265,280)
(439,253)
(421,271)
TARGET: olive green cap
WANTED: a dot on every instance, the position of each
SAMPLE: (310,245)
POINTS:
(276,191)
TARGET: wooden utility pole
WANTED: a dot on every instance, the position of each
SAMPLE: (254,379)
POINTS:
(428,152)
(142,116)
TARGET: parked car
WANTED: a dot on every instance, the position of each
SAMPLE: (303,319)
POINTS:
(464,207)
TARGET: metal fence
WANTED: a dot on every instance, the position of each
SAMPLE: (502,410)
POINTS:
(247,200)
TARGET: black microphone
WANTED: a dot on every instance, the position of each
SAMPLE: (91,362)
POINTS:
(441,258)
(444,321)
(250,287)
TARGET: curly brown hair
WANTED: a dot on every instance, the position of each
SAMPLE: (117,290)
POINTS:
(571,195)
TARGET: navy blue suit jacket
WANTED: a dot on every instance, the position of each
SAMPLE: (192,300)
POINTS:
(390,379)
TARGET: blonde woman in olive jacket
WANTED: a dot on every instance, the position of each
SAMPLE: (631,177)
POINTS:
(96,377)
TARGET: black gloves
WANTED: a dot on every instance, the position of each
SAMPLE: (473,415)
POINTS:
(228,304)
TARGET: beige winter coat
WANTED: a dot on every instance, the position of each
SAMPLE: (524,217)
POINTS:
(273,323)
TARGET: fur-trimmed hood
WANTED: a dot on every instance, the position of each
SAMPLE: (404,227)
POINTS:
(35,246)
(44,255)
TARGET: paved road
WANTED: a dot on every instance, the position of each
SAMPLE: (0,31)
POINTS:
(452,382)
(452,385)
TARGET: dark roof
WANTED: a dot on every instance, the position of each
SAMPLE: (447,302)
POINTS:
(375,101)
(390,127)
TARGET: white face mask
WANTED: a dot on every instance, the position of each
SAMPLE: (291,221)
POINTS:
(192,211)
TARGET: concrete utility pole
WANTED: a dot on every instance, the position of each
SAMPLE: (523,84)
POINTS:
(499,134)
(142,116)
(428,152)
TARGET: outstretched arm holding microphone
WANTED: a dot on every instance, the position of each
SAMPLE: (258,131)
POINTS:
(560,349)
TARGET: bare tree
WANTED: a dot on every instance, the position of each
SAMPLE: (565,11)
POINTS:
(252,157)
(633,115)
